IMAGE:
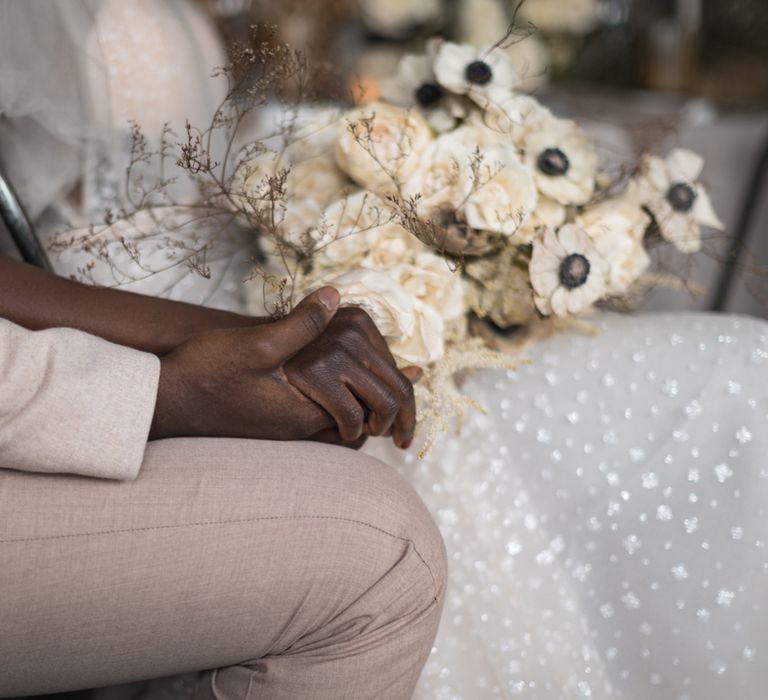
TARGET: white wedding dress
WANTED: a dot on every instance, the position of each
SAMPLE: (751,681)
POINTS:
(605,521)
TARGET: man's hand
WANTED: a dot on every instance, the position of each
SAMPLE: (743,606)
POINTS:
(303,377)
(371,396)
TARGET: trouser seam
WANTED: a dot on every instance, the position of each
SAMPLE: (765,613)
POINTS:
(205,523)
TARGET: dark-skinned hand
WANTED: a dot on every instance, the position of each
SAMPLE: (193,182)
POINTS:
(371,396)
(303,377)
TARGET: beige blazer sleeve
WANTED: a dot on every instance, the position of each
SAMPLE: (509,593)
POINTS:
(71,402)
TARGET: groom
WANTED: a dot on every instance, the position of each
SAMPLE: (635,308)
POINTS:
(269,564)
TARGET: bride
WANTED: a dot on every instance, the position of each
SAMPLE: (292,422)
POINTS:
(605,520)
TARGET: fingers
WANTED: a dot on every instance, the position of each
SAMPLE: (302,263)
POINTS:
(381,400)
(401,387)
(337,400)
(383,364)
(305,323)
(350,372)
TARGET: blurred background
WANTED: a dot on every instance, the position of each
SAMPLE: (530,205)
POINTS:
(638,74)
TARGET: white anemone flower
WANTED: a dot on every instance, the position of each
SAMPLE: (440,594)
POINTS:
(415,85)
(568,273)
(487,75)
(562,157)
(671,191)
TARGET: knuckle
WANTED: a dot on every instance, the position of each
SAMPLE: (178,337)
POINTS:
(353,416)
(326,369)
(314,321)
(358,316)
(390,404)
(267,351)
(352,337)
(405,387)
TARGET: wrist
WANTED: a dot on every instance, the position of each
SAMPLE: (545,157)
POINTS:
(169,419)
(203,320)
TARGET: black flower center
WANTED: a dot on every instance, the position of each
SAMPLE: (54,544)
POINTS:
(681,196)
(554,162)
(479,73)
(574,271)
(428,94)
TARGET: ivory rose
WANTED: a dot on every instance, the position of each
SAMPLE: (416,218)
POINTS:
(484,180)
(381,146)
(413,330)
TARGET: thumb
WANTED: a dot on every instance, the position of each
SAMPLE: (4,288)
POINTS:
(307,321)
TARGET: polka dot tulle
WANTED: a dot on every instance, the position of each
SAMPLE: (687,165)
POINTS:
(606,520)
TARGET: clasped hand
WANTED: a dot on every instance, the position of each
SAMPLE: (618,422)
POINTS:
(320,373)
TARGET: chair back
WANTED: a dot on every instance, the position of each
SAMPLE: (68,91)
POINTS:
(20,227)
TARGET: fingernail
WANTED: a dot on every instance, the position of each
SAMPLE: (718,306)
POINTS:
(419,375)
(329,297)
(407,444)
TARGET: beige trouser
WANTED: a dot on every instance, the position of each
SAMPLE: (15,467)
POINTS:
(282,570)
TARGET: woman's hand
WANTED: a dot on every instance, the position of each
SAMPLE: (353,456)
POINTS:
(240,382)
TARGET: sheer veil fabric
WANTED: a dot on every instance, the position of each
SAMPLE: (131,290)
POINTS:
(45,95)
(74,76)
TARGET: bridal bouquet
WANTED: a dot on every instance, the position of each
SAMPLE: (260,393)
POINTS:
(454,199)
(455,210)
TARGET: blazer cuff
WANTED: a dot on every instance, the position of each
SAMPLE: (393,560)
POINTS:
(74,403)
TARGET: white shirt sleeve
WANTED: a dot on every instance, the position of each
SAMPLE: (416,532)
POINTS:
(74,403)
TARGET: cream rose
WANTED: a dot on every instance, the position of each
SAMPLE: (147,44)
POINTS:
(358,211)
(381,146)
(314,134)
(391,245)
(362,227)
(431,281)
(509,119)
(308,187)
(472,171)
(377,248)
(627,260)
(503,193)
(548,214)
(616,229)
(413,330)
(441,181)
